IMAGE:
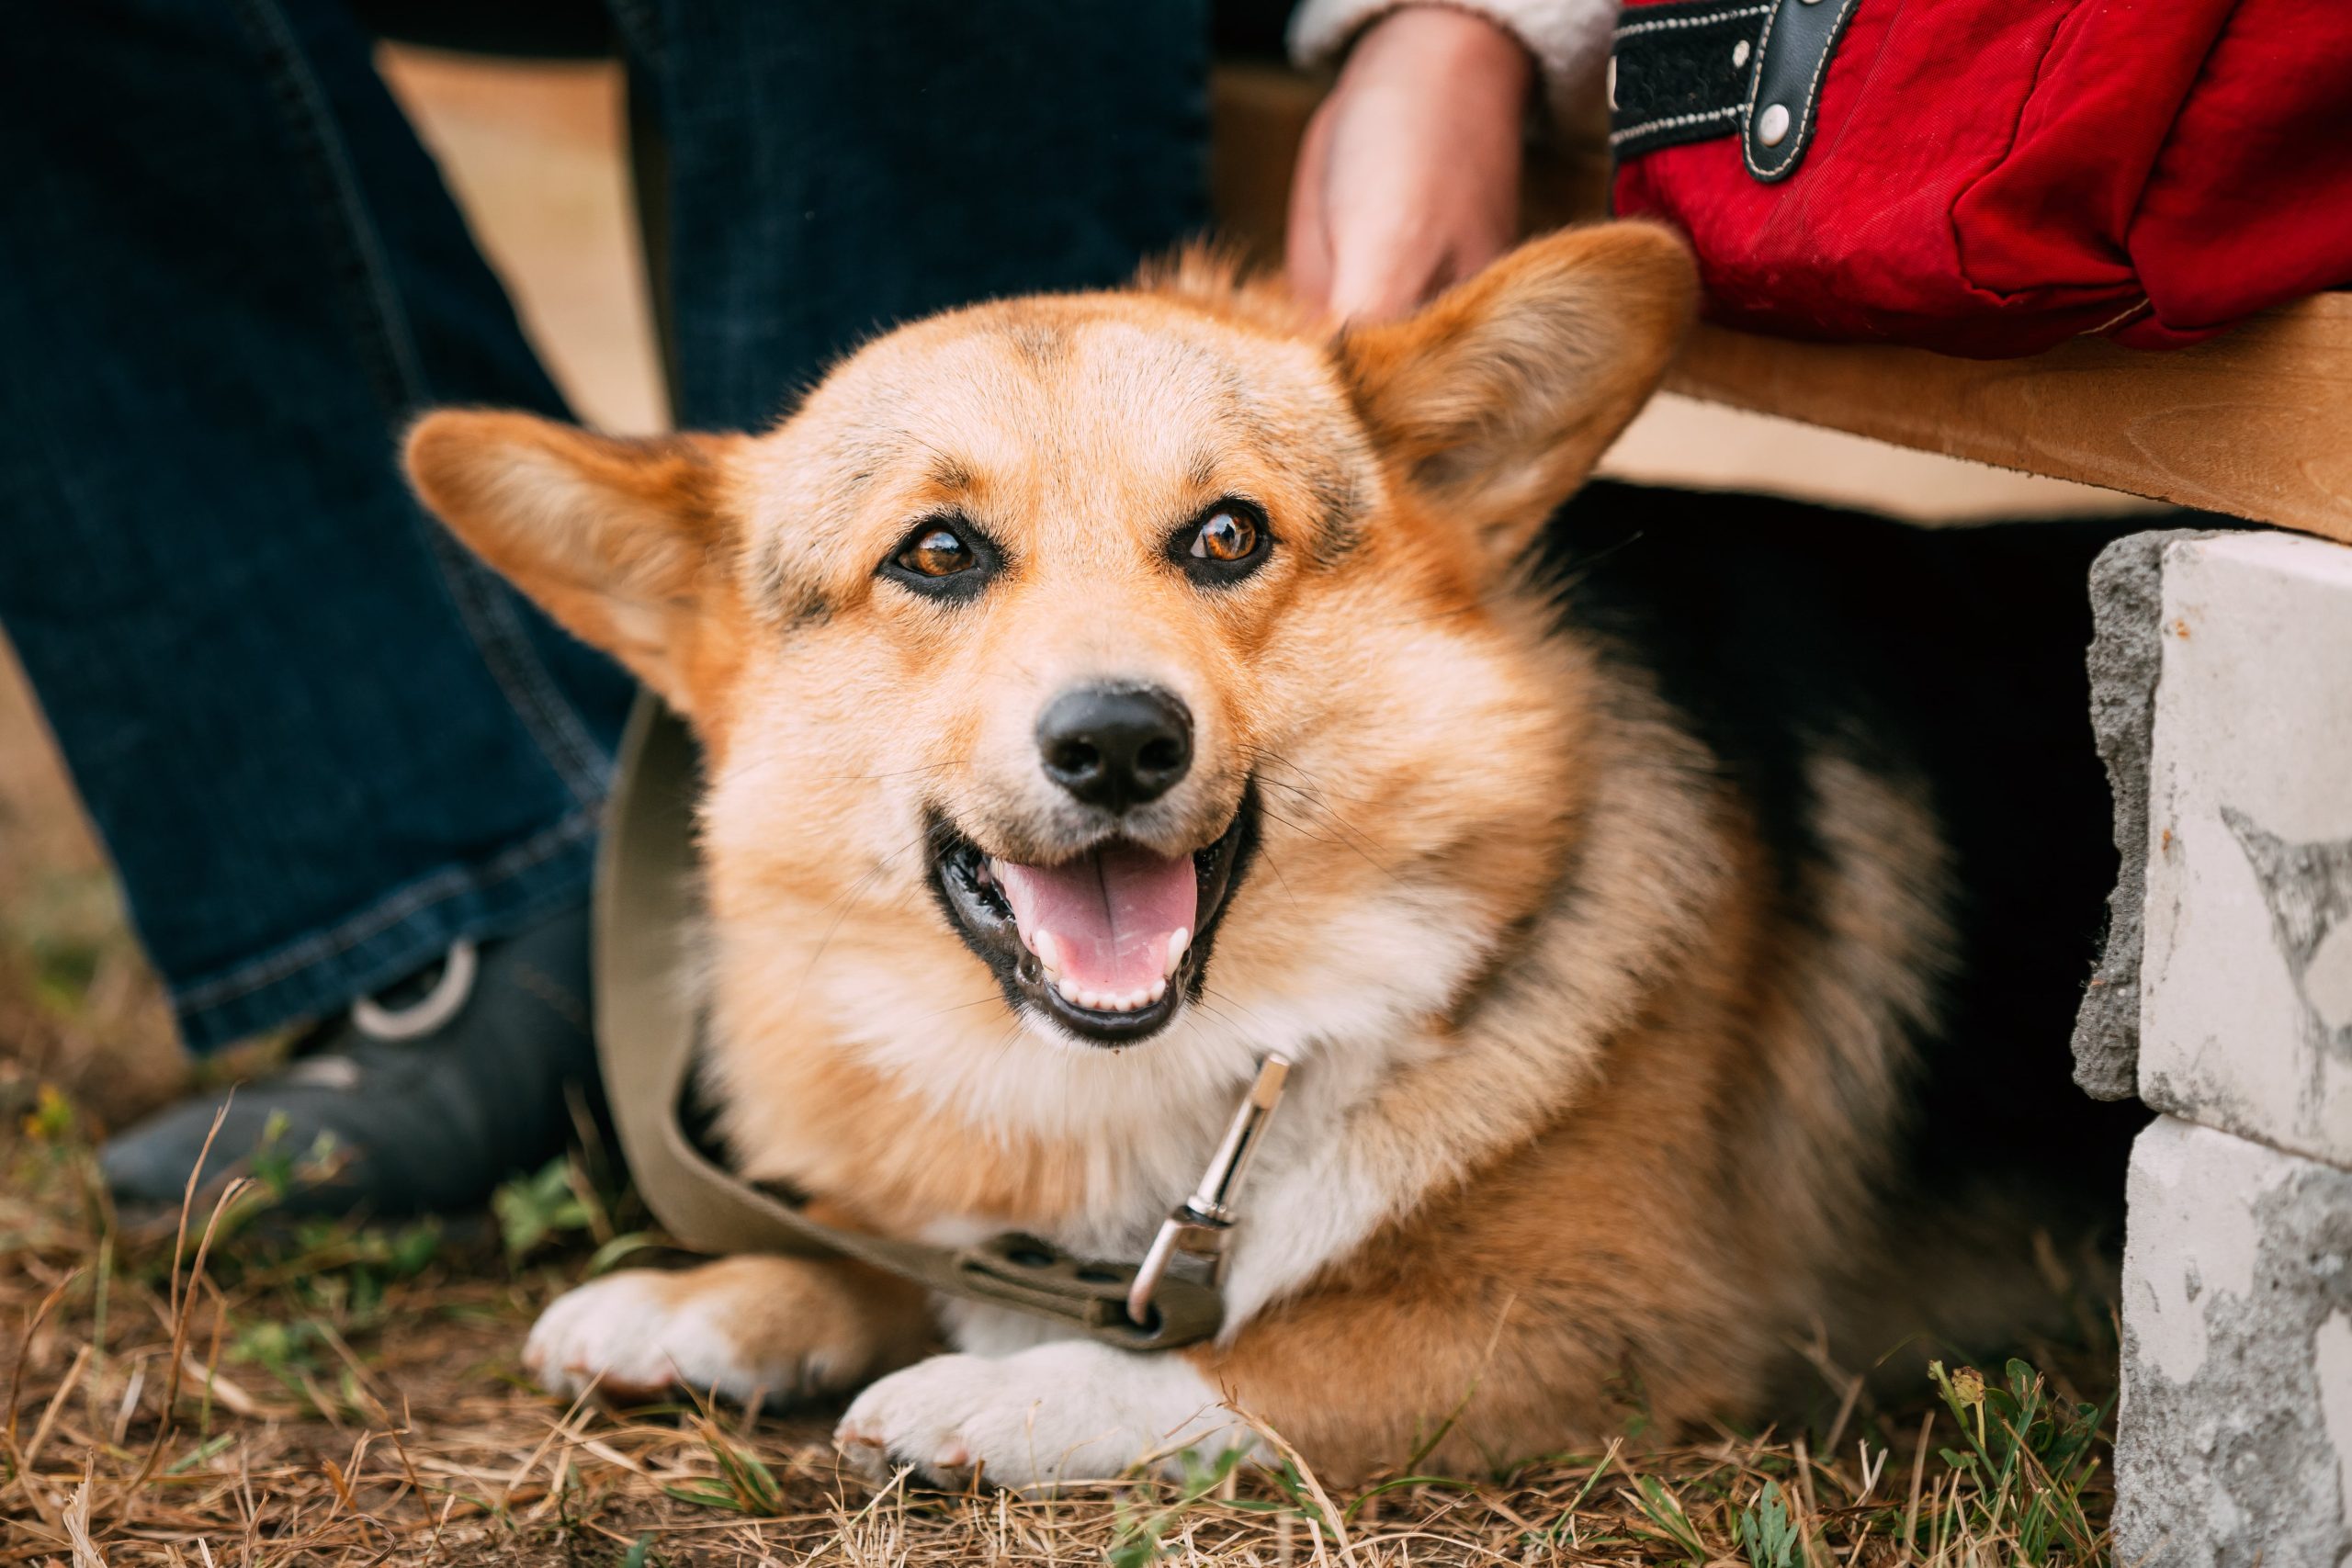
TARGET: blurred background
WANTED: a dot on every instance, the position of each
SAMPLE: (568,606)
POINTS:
(536,154)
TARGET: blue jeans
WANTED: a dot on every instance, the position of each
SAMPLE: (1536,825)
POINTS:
(322,742)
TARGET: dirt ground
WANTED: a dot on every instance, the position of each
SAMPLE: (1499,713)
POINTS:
(326,1394)
(353,1395)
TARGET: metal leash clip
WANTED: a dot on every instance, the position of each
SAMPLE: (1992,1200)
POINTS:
(1191,1243)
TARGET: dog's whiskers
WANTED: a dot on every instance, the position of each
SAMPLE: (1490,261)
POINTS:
(903,772)
(1266,856)
(842,905)
(1313,800)
(959,1006)
(1230,1000)
(1259,754)
(1345,838)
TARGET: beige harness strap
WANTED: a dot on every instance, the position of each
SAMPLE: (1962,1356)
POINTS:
(646,1032)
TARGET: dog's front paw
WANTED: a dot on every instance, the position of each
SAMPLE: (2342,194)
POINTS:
(1068,1411)
(749,1329)
(634,1336)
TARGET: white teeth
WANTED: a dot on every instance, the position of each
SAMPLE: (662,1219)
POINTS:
(1050,954)
(1110,1001)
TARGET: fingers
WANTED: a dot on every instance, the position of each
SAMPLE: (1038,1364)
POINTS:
(1408,178)
(1308,242)
(1386,258)
(1378,281)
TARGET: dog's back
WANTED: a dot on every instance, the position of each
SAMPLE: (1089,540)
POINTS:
(1954,657)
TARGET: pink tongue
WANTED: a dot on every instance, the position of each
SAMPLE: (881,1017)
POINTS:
(1104,919)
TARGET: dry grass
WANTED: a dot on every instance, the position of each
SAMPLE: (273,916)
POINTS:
(341,1395)
(195,1394)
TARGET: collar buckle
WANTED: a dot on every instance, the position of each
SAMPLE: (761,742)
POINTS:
(1191,1241)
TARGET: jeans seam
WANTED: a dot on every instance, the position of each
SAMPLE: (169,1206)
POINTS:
(401,902)
(641,31)
(488,616)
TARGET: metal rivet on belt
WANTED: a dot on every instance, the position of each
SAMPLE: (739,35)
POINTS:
(1772,124)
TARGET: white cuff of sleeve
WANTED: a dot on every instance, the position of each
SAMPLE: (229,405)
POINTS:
(1570,40)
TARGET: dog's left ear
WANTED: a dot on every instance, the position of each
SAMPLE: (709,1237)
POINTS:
(620,540)
(1496,399)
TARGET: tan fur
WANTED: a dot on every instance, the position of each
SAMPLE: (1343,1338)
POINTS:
(1605,1121)
(1716,1165)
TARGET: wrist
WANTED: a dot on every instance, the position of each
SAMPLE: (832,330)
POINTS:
(1457,42)
(1567,39)
(1451,50)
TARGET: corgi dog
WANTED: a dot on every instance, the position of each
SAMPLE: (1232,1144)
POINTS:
(1100,692)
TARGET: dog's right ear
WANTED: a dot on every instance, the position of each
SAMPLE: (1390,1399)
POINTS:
(621,539)
(1496,398)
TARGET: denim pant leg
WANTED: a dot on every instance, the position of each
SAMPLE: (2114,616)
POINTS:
(834,169)
(320,740)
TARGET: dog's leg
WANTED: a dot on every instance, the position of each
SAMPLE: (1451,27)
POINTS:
(1071,1410)
(748,1328)
(1463,1378)
(1586,1282)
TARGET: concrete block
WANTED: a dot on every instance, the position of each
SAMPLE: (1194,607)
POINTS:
(2245,1016)
(2126,657)
(2234,1446)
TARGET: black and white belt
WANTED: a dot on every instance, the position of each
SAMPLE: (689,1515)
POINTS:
(1699,69)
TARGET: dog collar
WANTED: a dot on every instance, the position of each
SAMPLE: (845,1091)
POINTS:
(647,1031)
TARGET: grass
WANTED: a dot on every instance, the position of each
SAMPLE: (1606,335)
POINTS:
(233,1391)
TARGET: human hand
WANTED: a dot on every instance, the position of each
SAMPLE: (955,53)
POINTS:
(1407,180)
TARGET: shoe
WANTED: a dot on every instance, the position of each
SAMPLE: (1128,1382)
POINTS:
(421,1100)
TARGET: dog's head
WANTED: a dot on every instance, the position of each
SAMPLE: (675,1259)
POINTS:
(1055,645)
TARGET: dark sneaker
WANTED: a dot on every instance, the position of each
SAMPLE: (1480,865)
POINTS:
(419,1101)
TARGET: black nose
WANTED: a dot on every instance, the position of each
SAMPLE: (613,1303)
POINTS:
(1117,746)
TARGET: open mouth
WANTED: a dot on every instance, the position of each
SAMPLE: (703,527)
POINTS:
(1108,943)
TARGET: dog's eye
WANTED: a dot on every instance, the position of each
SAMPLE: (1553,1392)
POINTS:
(1226,536)
(939,552)
(1226,542)
(946,557)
